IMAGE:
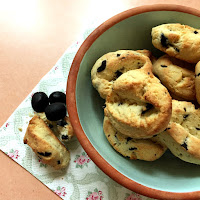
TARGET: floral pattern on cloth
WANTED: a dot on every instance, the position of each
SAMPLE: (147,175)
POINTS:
(82,160)
(6,125)
(95,195)
(14,154)
(60,191)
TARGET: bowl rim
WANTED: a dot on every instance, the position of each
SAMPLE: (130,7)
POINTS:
(73,113)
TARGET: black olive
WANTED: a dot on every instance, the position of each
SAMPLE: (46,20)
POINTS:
(128,138)
(45,154)
(132,148)
(57,97)
(177,49)
(167,129)
(184,145)
(185,116)
(102,67)
(164,41)
(62,122)
(55,111)
(65,137)
(39,101)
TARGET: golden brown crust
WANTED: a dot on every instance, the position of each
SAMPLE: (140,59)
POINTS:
(182,135)
(148,54)
(64,131)
(139,106)
(177,40)
(178,76)
(45,144)
(111,65)
(141,149)
(197,81)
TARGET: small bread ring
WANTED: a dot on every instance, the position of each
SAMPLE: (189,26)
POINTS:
(177,40)
(113,64)
(176,75)
(139,106)
(182,136)
(141,149)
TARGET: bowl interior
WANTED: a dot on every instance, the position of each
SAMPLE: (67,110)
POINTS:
(167,173)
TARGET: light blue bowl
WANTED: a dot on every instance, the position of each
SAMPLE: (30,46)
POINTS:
(166,178)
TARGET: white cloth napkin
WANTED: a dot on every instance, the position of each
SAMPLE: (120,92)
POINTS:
(82,179)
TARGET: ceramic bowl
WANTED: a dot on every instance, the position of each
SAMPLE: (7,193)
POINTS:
(165,178)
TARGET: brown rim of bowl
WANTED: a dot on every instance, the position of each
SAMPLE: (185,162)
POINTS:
(73,114)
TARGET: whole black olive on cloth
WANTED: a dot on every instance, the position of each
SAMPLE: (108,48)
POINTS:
(57,97)
(56,111)
(39,101)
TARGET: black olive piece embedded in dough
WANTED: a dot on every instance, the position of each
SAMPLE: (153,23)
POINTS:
(45,154)
(57,97)
(62,123)
(65,137)
(167,129)
(55,111)
(164,40)
(50,125)
(39,101)
(177,49)
(132,148)
(155,135)
(197,128)
(195,32)
(164,66)
(185,116)
(128,138)
(102,67)
(198,74)
(184,145)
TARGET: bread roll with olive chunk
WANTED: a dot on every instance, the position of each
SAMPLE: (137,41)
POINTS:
(45,144)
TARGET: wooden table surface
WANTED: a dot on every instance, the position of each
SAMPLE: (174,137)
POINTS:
(33,36)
